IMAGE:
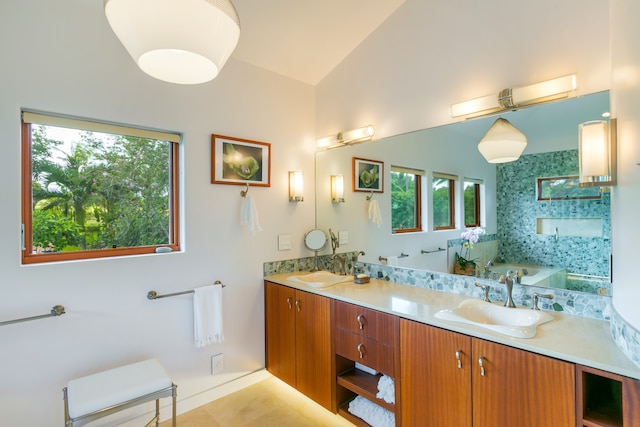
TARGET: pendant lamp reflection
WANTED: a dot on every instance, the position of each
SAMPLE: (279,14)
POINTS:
(502,143)
(177,41)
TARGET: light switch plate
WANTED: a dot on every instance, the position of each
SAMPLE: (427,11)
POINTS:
(343,237)
(284,242)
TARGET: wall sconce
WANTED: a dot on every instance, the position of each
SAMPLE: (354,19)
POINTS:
(296,186)
(597,153)
(177,41)
(337,188)
(502,143)
(346,137)
(513,98)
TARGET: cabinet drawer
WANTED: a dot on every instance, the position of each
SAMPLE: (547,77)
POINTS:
(363,350)
(369,323)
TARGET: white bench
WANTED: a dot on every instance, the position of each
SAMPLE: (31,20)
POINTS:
(104,393)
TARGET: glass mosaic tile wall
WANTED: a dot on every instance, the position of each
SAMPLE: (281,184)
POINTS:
(518,211)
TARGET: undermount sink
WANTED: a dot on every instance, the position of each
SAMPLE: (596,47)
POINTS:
(514,322)
(320,279)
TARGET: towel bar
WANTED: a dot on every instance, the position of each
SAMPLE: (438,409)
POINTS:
(402,255)
(57,310)
(422,251)
(154,295)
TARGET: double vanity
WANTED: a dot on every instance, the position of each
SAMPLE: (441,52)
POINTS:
(455,360)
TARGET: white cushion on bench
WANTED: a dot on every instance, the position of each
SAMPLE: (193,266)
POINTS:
(108,388)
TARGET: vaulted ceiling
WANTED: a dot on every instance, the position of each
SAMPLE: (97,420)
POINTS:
(305,39)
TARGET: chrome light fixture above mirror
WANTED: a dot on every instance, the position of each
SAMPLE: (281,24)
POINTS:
(597,142)
(177,41)
(513,98)
(502,143)
(347,137)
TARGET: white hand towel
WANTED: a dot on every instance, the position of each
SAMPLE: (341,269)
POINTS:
(392,260)
(249,215)
(207,315)
(374,415)
(374,212)
(386,389)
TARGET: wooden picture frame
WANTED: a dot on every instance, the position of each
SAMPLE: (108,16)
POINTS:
(238,161)
(367,175)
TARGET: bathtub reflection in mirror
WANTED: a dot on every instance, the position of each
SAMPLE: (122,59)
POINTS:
(562,243)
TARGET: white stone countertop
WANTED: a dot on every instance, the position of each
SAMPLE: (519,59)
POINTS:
(571,338)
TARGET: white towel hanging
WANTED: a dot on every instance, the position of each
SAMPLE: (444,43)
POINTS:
(207,315)
(374,212)
(249,215)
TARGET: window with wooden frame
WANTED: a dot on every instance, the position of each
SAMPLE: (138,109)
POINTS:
(92,189)
(472,196)
(443,198)
(406,199)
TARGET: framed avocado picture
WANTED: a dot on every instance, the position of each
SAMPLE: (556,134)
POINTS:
(240,161)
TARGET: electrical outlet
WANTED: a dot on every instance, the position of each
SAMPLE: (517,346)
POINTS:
(217,364)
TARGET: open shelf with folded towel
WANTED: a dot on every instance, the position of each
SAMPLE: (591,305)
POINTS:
(366,385)
(366,343)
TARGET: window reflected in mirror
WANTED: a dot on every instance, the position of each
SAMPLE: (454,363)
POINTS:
(406,199)
(443,196)
(472,202)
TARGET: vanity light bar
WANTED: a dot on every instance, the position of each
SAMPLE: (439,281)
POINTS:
(515,97)
(347,137)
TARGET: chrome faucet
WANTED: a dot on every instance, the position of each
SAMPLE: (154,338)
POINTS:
(487,266)
(521,272)
(341,260)
(354,267)
(508,281)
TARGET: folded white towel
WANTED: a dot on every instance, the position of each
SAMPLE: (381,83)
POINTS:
(392,260)
(374,212)
(207,315)
(249,214)
(374,415)
(386,389)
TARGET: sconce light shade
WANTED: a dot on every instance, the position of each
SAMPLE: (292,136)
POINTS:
(502,143)
(346,137)
(296,186)
(337,188)
(513,98)
(177,41)
(597,153)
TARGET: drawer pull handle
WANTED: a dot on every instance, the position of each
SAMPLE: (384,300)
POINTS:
(361,350)
(458,352)
(298,305)
(289,302)
(481,363)
(361,321)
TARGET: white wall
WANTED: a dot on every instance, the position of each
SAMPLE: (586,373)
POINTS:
(430,54)
(625,203)
(62,57)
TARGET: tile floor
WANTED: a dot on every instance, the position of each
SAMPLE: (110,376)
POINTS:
(269,402)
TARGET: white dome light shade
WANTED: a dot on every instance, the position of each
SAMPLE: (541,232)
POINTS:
(177,41)
(502,143)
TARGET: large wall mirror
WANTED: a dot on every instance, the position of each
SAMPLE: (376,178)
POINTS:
(566,235)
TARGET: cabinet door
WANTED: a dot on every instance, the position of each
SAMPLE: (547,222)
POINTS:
(522,389)
(435,389)
(314,351)
(280,332)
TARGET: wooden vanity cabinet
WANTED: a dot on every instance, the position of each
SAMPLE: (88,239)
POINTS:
(299,341)
(443,383)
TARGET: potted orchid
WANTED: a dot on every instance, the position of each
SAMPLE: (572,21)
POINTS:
(464,264)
